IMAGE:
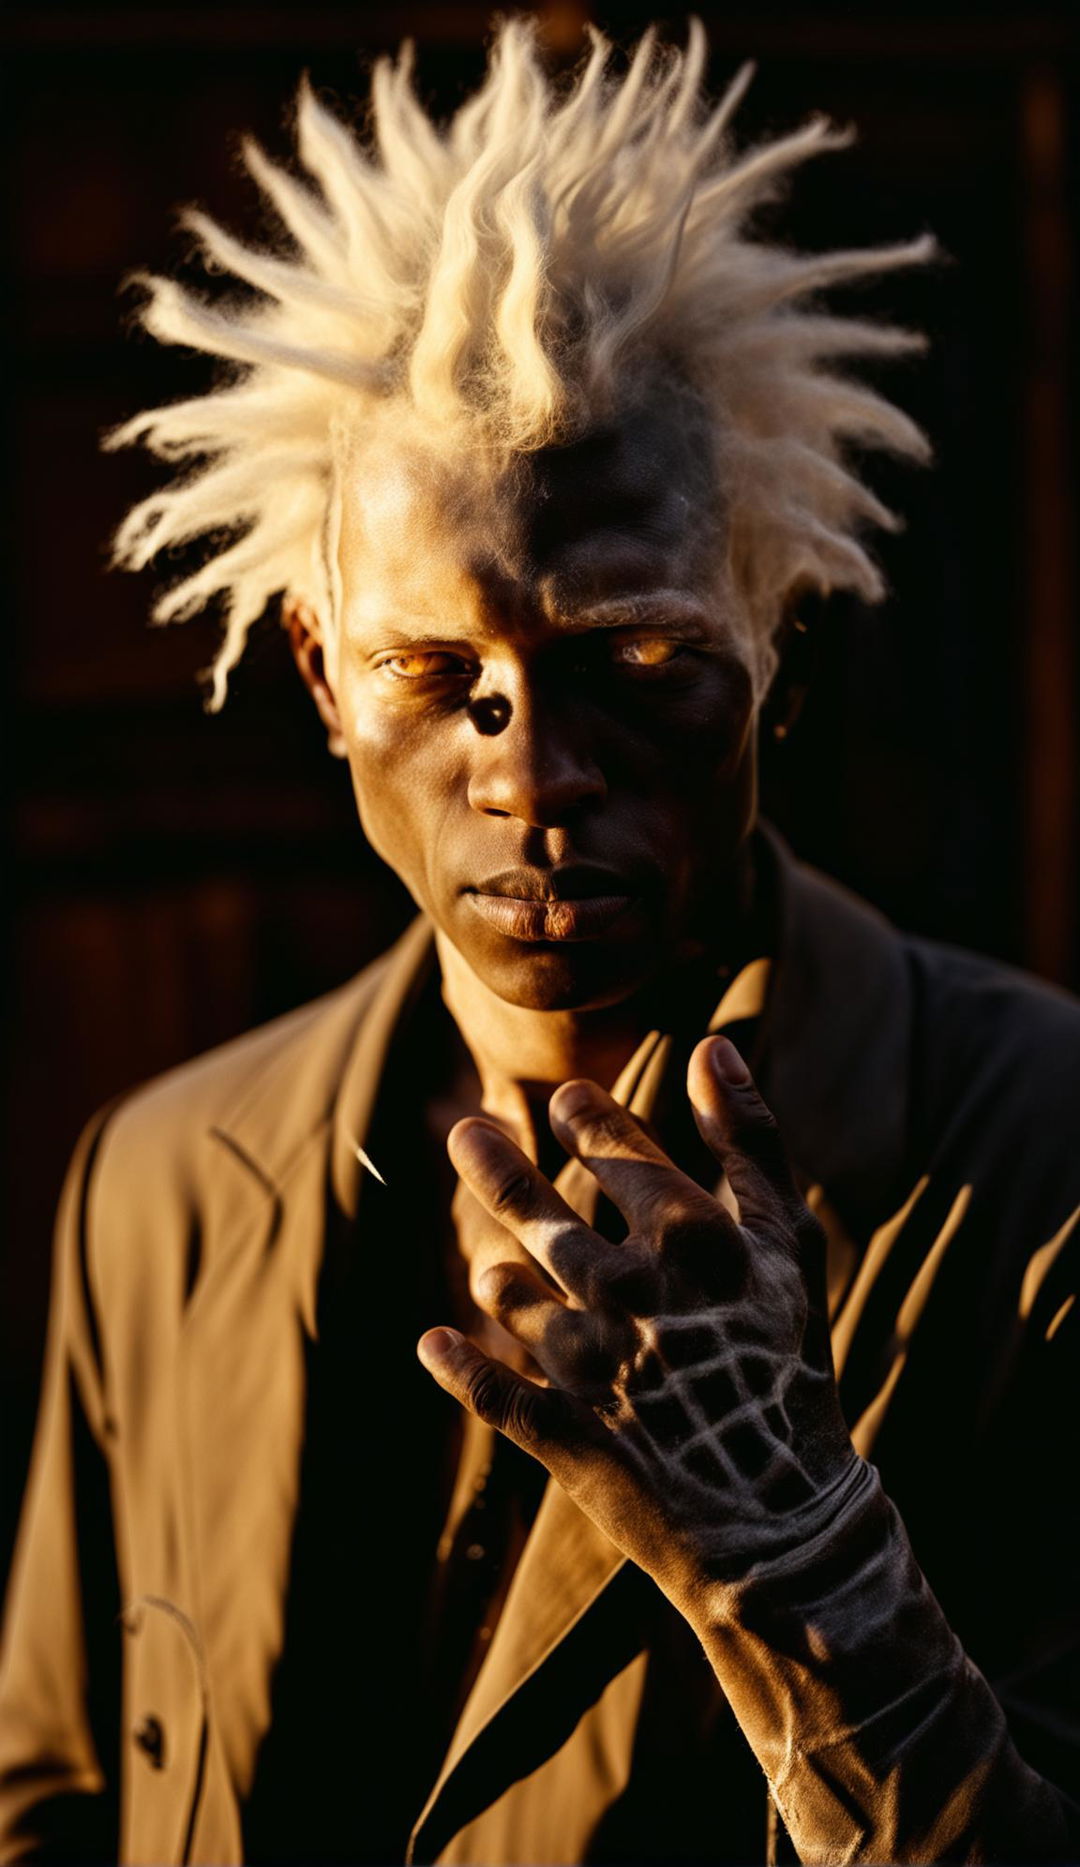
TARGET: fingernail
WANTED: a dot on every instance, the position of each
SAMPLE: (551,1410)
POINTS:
(727,1062)
(437,1343)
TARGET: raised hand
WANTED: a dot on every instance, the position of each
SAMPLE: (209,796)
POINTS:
(690,1407)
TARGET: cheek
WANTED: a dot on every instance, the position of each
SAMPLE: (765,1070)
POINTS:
(403,782)
(710,773)
(703,738)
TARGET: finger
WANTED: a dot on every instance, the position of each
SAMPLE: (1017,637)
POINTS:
(541,1420)
(655,1197)
(515,1298)
(742,1132)
(490,1336)
(482,1242)
(580,1349)
(513,1190)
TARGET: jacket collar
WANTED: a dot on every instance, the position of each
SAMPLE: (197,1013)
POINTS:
(409,970)
(833,1056)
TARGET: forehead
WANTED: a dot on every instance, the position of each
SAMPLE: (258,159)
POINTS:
(629,507)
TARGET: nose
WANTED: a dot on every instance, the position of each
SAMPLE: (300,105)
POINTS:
(532,762)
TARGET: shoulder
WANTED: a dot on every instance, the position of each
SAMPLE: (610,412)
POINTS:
(162,1133)
(167,1182)
(967,1024)
(994,1108)
(925,1060)
(988,1032)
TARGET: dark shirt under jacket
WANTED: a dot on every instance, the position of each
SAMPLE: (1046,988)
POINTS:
(434,1601)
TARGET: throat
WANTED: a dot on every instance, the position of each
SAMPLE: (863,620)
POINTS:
(512,1059)
(508,1063)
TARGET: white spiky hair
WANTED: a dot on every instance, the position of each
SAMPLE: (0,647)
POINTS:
(508,276)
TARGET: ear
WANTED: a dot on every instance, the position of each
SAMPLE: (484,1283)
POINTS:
(305,640)
(796,645)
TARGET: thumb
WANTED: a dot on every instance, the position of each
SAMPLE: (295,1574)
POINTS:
(741,1131)
(531,1415)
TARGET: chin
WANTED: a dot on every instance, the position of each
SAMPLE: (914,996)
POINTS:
(571,976)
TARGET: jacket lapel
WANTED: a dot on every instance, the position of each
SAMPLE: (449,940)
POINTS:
(833,1057)
(565,1565)
(245,1352)
(409,965)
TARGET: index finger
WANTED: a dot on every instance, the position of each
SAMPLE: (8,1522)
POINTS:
(650,1191)
(513,1190)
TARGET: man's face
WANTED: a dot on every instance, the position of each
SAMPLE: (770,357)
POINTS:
(549,727)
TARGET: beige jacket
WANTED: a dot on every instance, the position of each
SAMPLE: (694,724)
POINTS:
(929,1103)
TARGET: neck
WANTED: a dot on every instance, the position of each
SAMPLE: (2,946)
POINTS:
(521,1055)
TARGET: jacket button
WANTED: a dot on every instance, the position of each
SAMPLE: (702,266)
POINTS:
(149,1734)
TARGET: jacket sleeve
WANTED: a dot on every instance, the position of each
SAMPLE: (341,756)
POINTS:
(880,1738)
(60,1664)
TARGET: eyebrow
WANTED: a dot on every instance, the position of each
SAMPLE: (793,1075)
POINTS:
(654,606)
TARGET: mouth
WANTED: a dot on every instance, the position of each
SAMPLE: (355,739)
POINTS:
(575,903)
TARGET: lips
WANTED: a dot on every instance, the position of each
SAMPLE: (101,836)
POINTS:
(570,903)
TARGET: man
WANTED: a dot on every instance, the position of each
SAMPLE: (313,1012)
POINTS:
(539,449)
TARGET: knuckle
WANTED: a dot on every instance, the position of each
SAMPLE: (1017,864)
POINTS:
(604,1129)
(586,1353)
(750,1119)
(571,1344)
(633,1286)
(491,1285)
(759,1134)
(788,1215)
(706,1249)
(513,1192)
(795,1231)
(690,1246)
(522,1420)
(562,1246)
(484,1390)
(693,1230)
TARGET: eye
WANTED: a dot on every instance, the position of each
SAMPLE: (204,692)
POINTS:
(647,651)
(430,664)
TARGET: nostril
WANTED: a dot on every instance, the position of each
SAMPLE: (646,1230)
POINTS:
(490,713)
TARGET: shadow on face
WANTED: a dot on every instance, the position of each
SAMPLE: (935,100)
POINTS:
(539,686)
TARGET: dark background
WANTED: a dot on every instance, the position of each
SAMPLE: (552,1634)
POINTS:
(178,878)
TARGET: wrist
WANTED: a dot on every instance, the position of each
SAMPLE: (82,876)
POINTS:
(724,1560)
(825,1637)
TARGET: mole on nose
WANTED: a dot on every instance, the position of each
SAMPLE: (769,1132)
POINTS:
(491,713)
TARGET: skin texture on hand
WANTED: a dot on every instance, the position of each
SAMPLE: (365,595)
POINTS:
(687,1399)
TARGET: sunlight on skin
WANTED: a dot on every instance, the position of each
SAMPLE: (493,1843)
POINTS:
(493,718)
